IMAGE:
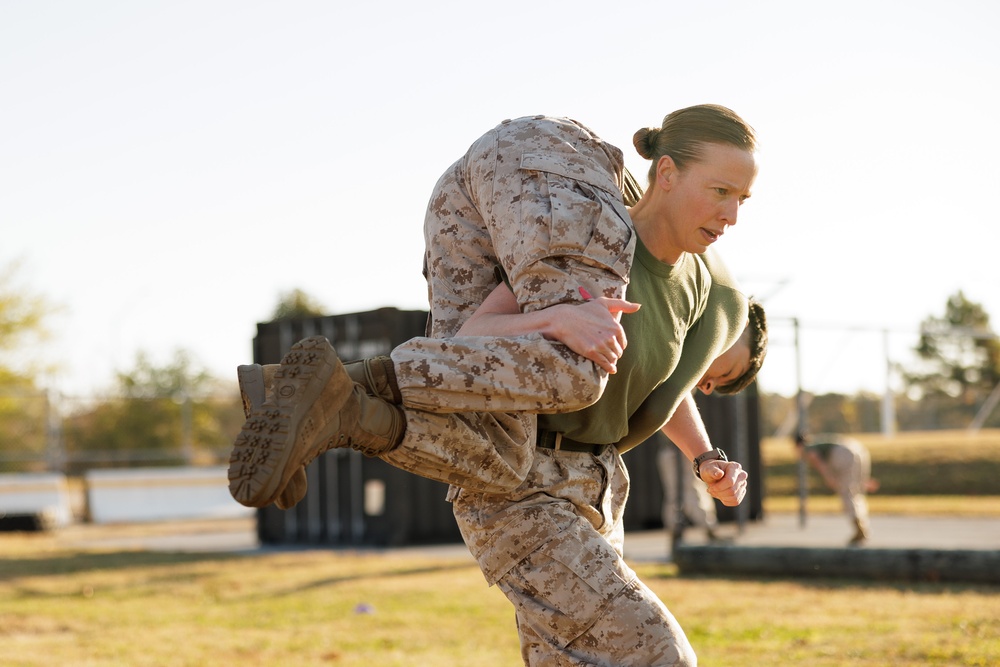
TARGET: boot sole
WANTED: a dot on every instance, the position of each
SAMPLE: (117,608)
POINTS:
(253,392)
(280,438)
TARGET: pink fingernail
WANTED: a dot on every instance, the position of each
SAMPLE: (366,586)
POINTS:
(585,294)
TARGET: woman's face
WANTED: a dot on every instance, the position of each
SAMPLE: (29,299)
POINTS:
(704,199)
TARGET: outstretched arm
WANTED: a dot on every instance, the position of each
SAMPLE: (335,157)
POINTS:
(824,471)
(726,480)
(591,329)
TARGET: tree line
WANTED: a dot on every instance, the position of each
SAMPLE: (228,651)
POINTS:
(178,413)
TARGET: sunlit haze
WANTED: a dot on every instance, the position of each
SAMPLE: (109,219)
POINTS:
(169,169)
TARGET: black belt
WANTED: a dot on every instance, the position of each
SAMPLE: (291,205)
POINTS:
(556,440)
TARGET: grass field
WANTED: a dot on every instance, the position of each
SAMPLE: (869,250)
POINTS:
(63,605)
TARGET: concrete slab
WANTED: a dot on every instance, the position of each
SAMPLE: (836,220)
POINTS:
(900,548)
(928,544)
(833,531)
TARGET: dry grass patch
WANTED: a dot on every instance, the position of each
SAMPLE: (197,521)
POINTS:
(321,608)
(827,623)
(295,608)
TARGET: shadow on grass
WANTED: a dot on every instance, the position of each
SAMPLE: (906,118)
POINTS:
(831,583)
(77,563)
(72,563)
(392,569)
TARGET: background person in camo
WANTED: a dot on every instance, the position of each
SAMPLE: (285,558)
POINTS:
(845,466)
(686,501)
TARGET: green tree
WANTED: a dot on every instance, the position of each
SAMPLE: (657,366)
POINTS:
(297,303)
(959,363)
(24,408)
(23,316)
(159,415)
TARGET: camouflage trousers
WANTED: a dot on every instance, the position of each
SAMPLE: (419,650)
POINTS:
(554,547)
(851,464)
(540,198)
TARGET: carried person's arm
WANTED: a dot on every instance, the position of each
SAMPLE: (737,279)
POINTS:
(591,329)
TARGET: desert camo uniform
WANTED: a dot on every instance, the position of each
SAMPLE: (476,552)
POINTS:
(850,464)
(553,544)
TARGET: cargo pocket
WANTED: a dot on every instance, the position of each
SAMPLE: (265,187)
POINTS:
(566,585)
(587,218)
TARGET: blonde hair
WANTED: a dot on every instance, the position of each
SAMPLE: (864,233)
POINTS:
(685,132)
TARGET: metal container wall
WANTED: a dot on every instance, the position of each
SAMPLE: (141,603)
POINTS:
(353,499)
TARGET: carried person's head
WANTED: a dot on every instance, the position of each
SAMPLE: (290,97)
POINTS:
(734,370)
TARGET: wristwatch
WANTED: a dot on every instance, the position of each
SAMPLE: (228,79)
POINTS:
(711,455)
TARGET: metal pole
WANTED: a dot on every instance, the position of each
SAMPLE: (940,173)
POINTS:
(56,457)
(357,485)
(187,427)
(742,454)
(986,410)
(801,403)
(888,400)
(680,469)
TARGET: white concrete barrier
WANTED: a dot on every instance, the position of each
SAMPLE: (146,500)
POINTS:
(44,496)
(153,494)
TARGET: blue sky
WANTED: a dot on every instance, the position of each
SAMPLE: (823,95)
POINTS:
(170,168)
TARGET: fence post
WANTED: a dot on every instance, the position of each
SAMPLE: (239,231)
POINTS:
(55,457)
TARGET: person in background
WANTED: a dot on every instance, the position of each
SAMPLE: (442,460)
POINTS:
(845,466)
(694,506)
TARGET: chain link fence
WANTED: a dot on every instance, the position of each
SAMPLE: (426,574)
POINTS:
(48,432)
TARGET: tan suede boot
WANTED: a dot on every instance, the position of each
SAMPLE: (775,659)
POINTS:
(375,374)
(314,407)
(255,385)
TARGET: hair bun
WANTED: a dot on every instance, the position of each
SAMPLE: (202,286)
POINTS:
(644,140)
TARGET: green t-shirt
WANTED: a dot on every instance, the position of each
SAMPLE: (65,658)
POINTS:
(720,326)
(673,298)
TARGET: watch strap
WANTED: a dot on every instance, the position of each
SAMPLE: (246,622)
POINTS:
(710,455)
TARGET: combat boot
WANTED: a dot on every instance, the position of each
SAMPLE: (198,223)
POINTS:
(376,374)
(314,406)
(255,384)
